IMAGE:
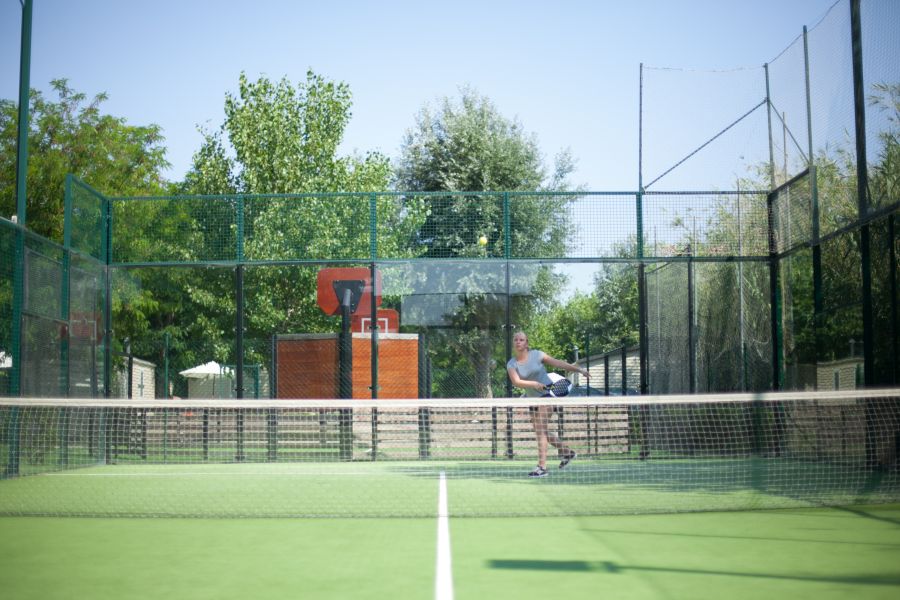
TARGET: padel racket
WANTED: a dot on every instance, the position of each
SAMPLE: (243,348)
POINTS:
(558,387)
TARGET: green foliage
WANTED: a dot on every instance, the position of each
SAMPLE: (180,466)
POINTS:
(71,135)
(884,175)
(276,138)
(466,145)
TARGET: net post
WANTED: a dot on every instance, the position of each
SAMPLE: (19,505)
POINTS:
(756,420)
(510,451)
(494,423)
(143,416)
(63,428)
(165,436)
(239,433)
(424,392)
(204,432)
(272,434)
(424,433)
(105,432)
(13,443)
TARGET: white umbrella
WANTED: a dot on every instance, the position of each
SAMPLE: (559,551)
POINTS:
(210,369)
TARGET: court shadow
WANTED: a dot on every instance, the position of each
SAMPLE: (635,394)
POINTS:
(798,481)
(542,565)
(867,515)
(610,567)
(601,532)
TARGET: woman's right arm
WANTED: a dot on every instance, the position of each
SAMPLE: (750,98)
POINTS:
(523,383)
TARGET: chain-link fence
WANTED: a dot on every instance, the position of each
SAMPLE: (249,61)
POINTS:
(783,273)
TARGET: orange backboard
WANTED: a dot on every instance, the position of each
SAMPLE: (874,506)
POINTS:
(327,297)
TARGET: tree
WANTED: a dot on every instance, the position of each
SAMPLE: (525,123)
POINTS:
(466,145)
(278,140)
(72,135)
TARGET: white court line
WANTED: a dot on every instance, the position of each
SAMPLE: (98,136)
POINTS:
(249,474)
(443,581)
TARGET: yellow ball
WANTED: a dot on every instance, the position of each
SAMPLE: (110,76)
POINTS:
(483,240)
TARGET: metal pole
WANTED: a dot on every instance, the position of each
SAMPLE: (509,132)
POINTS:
(892,286)
(692,352)
(508,315)
(374,360)
(129,378)
(587,362)
(374,337)
(862,191)
(774,301)
(818,294)
(643,334)
(23,124)
(15,384)
(273,376)
(239,302)
(373,253)
(107,304)
(743,353)
(771,143)
(641,129)
(166,365)
(774,288)
(606,374)
(239,331)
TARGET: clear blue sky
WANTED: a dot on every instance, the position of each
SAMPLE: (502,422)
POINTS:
(567,70)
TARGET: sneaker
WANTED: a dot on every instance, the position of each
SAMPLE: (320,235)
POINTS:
(539,472)
(567,458)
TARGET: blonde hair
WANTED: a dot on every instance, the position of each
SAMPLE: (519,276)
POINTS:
(522,333)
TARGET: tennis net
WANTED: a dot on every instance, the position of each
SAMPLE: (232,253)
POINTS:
(293,458)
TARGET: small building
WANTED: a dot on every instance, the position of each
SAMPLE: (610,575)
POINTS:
(143,380)
(212,380)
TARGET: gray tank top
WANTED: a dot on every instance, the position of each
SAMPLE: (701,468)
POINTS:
(532,370)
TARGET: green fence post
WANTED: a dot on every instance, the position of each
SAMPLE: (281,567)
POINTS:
(107,225)
(862,192)
(239,310)
(166,365)
(774,299)
(65,298)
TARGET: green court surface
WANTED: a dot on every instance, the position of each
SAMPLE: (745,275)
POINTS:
(790,553)
(409,488)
